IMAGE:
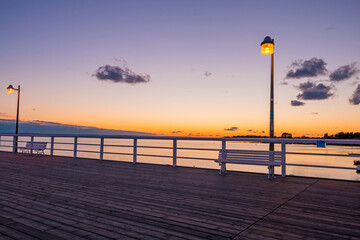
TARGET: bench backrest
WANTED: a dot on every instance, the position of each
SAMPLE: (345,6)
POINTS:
(36,145)
(249,155)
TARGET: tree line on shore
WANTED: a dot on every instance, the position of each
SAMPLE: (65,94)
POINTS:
(339,135)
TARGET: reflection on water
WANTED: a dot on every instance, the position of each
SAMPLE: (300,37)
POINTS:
(123,152)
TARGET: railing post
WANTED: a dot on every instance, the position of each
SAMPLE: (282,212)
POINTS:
(135,151)
(32,144)
(52,146)
(223,156)
(75,146)
(101,148)
(283,159)
(174,152)
(14,145)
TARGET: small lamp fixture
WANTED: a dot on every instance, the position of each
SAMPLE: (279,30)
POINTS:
(10,89)
(267,46)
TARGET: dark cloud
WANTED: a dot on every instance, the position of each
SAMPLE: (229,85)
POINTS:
(308,68)
(314,91)
(231,129)
(118,74)
(314,113)
(295,103)
(207,74)
(176,132)
(355,98)
(249,130)
(344,72)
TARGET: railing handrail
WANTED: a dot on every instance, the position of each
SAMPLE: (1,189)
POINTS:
(227,139)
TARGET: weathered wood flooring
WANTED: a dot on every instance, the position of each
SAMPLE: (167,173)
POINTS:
(63,198)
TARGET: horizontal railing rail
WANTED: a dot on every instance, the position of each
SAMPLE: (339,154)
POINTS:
(133,144)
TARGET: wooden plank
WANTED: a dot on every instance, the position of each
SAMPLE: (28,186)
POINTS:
(88,199)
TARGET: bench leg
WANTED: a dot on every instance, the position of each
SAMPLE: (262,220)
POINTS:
(222,168)
(271,171)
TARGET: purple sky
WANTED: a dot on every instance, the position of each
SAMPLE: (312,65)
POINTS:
(183,66)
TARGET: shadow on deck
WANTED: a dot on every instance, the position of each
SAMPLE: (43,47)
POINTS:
(64,198)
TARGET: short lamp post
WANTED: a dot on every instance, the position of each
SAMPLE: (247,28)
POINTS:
(11,89)
(267,48)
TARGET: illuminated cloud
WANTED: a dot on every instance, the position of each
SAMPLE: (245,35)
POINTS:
(308,68)
(117,74)
(313,91)
(231,129)
(7,116)
(355,98)
(207,74)
(296,103)
(344,73)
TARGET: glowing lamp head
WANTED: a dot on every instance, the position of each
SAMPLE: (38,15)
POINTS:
(267,46)
(10,89)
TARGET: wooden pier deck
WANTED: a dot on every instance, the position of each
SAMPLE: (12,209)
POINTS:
(63,198)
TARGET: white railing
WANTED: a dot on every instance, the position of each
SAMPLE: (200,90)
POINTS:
(8,143)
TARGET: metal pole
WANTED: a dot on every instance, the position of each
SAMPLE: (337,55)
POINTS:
(271,145)
(17,120)
(272,103)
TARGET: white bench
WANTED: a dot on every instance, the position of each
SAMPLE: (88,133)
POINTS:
(38,147)
(251,157)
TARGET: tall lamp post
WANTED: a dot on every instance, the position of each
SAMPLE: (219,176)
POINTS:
(11,89)
(267,48)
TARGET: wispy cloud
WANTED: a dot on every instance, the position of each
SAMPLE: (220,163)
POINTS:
(330,28)
(231,129)
(8,116)
(313,91)
(355,98)
(207,74)
(344,72)
(117,74)
(4,115)
(308,68)
(296,103)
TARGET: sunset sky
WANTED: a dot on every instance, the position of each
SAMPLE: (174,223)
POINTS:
(182,67)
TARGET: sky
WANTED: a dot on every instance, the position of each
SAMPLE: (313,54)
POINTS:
(182,68)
